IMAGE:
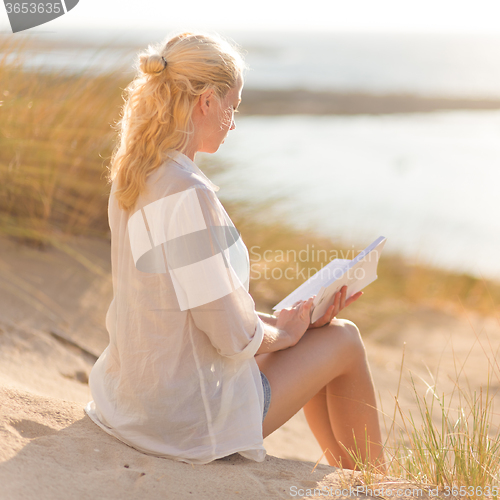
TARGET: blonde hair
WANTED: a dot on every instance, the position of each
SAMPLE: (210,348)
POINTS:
(156,116)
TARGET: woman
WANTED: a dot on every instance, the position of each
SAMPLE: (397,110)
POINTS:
(192,372)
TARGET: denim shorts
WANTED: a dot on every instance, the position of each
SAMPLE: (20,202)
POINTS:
(267,394)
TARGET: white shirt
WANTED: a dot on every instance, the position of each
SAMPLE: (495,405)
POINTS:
(178,378)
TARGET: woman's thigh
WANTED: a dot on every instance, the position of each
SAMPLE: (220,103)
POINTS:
(298,373)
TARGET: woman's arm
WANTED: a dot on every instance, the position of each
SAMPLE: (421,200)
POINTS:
(274,340)
(268,318)
(290,326)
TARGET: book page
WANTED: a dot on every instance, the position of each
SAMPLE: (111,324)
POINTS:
(312,286)
(361,271)
(356,274)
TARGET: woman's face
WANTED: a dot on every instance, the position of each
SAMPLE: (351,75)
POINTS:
(220,118)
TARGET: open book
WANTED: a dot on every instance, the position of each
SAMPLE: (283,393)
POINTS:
(356,274)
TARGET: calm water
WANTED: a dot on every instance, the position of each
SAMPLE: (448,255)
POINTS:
(428,182)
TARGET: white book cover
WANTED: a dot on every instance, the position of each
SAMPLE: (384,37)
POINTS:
(356,274)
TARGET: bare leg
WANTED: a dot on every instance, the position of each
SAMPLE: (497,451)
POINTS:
(318,418)
(327,373)
(348,404)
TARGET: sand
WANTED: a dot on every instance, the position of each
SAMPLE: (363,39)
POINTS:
(52,309)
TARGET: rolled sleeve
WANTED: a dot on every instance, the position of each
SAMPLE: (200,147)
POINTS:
(253,346)
(232,325)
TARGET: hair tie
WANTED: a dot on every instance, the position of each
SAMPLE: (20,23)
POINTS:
(164,62)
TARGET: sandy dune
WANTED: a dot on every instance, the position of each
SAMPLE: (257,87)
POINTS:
(52,308)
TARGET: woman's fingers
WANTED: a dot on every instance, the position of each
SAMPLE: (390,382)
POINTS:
(343,292)
(300,308)
(330,314)
(354,297)
(306,306)
(336,303)
(339,302)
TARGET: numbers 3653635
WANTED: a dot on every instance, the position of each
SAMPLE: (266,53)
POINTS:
(33,8)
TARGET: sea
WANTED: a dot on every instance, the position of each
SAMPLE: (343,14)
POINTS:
(429,182)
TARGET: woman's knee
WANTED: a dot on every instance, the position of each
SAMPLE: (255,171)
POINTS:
(346,335)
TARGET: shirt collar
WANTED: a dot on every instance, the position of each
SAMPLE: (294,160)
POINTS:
(189,165)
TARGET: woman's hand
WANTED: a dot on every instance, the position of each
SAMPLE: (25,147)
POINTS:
(296,320)
(339,302)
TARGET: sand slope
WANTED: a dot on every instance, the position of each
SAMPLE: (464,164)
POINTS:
(52,309)
(51,450)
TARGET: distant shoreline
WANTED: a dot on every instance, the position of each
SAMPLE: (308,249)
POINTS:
(300,102)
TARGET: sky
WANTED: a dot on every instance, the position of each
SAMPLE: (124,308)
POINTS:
(442,16)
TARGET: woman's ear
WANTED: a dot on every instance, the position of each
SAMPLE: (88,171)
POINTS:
(206,100)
